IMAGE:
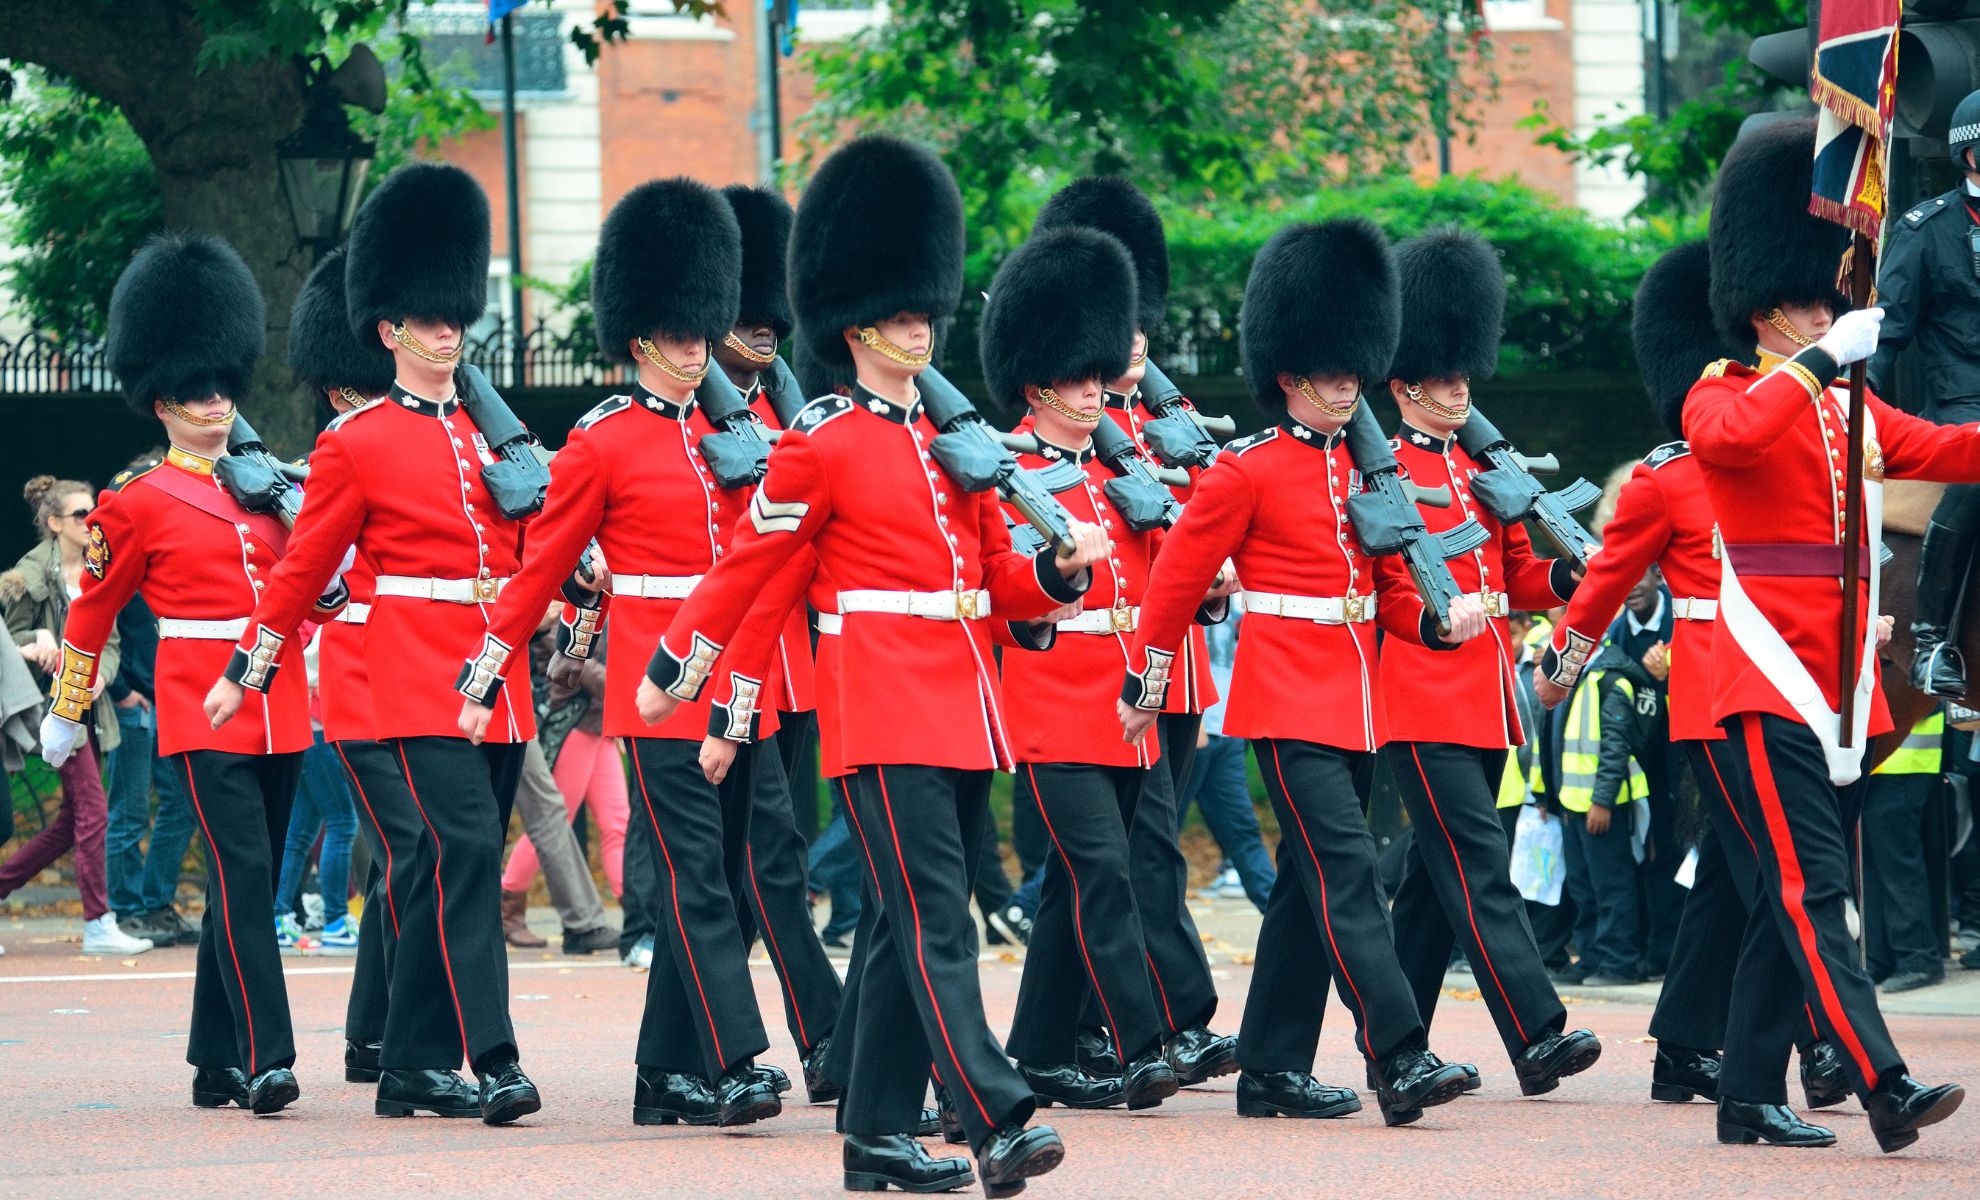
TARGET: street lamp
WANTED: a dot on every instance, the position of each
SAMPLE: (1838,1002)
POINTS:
(323,163)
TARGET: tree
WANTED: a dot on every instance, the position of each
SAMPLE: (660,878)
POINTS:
(208,87)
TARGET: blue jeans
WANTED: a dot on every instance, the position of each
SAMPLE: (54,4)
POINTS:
(1218,787)
(141,881)
(323,801)
(834,869)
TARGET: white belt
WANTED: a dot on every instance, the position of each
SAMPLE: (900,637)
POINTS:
(207,631)
(355,613)
(828,623)
(654,587)
(453,591)
(1497,604)
(1323,610)
(1121,618)
(934,606)
(1691,609)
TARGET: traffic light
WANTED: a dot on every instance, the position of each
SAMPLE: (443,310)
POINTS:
(1938,66)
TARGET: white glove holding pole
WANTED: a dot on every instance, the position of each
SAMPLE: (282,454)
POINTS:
(1853,336)
(59,738)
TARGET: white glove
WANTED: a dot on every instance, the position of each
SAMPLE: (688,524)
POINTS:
(1853,337)
(344,565)
(59,737)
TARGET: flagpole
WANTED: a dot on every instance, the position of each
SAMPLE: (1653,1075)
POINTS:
(1861,272)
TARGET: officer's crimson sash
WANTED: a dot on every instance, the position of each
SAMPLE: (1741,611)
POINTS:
(208,497)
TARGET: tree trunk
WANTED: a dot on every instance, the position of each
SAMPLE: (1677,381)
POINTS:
(211,135)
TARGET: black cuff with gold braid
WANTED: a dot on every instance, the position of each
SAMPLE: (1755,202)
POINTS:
(577,630)
(1055,585)
(481,676)
(70,690)
(1564,666)
(683,678)
(332,602)
(255,669)
(1148,689)
(737,721)
(1815,368)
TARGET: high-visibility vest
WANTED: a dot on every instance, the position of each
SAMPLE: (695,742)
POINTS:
(1581,748)
(1923,749)
(1512,787)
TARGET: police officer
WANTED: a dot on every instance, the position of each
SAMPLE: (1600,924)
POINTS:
(1928,283)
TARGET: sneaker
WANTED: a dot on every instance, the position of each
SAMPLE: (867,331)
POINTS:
(1227,886)
(142,928)
(102,936)
(168,920)
(640,957)
(340,936)
(290,938)
(312,903)
(1009,925)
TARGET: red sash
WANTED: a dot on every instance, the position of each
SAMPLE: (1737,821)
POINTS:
(202,493)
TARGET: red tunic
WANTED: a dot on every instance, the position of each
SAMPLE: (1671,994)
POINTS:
(1773,464)
(1060,702)
(1262,505)
(1662,517)
(195,564)
(1466,696)
(856,481)
(400,479)
(794,665)
(630,475)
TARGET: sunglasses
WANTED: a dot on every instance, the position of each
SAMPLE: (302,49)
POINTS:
(81,514)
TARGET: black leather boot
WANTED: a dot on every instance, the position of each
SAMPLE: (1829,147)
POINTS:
(1196,1054)
(1543,1065)
(1292,1094)
(1902,1106)
(1742,1123)
(217,1087)
(945,1113)
(874,1164)
(1823,1080)
(672,1097)
(774,1076)
(507,1094)
(442,1093)
(1148,1082)
(1680,1074)
(1936,667)
(745,1097)
(1014,1154)
(361,1061)
(1413,1080)
(272,1091)
(1065,1083)
(1093,1050)
(818,1086)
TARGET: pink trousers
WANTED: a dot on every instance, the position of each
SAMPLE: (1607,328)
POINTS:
(588,771)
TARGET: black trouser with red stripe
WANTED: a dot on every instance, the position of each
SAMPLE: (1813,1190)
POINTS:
(1796,945)
(1326,919)
(923,827)
(797,740)
(1087,932)
(701,1016)
(450,973)
(240,1011)
(778,904)
(1698,987)
(1457,889)
(391,828)
(1185,995)
(839,1056)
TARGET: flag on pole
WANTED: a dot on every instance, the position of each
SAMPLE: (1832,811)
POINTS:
(1855,84)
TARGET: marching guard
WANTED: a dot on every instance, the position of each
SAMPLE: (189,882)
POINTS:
(1457,887)
(186,326)
(402,482)
(1771,443)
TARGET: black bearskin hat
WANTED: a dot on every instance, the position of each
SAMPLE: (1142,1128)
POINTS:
(1453,307)
(186,322)
(1767,248)
(819,373)
(1321,300)
(419,248)
(323,350)
(1112,204)
(1673,330)
(1062,307)
(879,231)
(765,219)
(669,261)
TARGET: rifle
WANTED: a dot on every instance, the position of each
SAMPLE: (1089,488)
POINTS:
(257,480)
(786,394)
(1509,491)
(1142,501)
(1179,436)
(1386,519)
(968,449)
(518,478)
(737,453)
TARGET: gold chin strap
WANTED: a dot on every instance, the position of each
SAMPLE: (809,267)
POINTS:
(1058,405)
(404,337)
(1415,392)
(872,339)
(192,418)
(1305,387)
(354,398)
(1135,360)
(1786,329)
(667,368)
(749,354)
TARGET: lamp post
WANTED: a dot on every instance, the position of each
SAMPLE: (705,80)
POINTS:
(323,163)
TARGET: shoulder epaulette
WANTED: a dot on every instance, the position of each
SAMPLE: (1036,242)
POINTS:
(359,411)
(1669,452)
(605,408)
(1925,212)
(123,478)
(1244,445)
(1716,369)
(819,411)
